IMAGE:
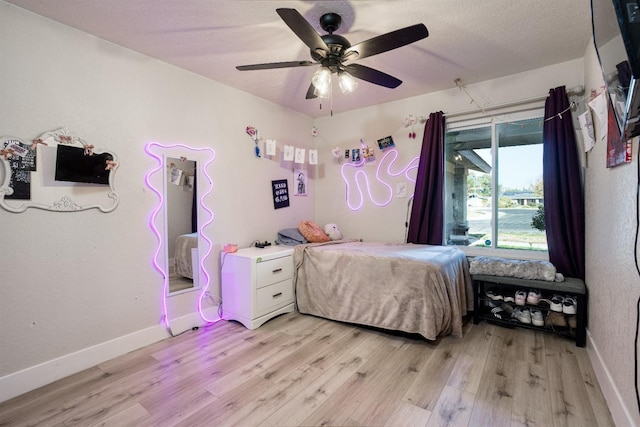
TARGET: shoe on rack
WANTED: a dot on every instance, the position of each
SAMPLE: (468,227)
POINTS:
(521,297)
(569,305)
(499,313)
(522,315)
(544,303)
(507,308)
(571,320)
(533,297)
(493,294)
(557,302)
(536,317)
(555,319)
(509,296)
(491,304)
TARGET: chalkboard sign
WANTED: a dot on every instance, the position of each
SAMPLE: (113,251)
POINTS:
(280,193)
(21,163)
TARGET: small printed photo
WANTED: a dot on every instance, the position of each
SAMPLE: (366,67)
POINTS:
(300,182)
(385,143)
(175,176)
(355,155)
(288,153)
(313,157)
(189,182)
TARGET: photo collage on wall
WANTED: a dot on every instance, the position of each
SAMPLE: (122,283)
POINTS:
(366,154)
(22,161)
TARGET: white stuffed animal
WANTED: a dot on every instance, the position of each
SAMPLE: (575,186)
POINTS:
(332,231)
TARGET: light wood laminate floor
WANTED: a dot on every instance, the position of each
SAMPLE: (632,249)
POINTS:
(302,370)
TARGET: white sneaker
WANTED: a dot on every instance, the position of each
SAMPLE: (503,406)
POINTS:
(536,317)
(521,297)
(569,305)
(495,296)
(557,302)
(509,297)
(533,297)
(497,312)
(522,315)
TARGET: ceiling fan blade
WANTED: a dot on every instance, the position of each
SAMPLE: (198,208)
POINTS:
(302,29)
(389,41)
(311,92)
(372,76)
(271,65)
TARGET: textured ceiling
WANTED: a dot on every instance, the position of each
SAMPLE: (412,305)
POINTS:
(468,40)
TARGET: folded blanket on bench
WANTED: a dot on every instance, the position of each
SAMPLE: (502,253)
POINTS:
(533,270)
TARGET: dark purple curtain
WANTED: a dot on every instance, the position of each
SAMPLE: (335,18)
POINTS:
(563,192)
(427,211)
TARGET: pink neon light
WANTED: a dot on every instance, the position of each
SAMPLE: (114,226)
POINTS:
(360,175)
(152,221)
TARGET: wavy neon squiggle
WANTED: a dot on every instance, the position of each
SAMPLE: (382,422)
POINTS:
(152,224)
(360,175)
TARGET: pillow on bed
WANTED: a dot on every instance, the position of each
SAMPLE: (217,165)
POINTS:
(312,232)
(290,237)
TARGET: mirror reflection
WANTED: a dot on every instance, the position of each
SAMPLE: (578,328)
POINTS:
(181,213)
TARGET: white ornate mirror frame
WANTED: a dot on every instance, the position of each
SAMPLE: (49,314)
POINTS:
(67,192)
(155,181)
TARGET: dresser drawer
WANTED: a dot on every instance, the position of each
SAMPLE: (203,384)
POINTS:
(273,271)
(271,297)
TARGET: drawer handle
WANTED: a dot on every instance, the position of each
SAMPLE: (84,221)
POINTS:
(279,294)
(277,270)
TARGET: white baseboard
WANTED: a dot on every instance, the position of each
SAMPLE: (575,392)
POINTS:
(193,320)
(619,412)
(31,378)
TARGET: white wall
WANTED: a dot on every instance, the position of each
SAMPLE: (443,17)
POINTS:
(79,287)
(370,124)
(611,276)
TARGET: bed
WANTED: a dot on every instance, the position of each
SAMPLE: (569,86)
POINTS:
(185,244)
(411,288)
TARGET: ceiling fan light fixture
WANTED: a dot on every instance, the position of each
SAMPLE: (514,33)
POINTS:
(347,82)
(322,94)
(321,80)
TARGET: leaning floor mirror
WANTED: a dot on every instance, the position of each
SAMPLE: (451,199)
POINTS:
(180,220)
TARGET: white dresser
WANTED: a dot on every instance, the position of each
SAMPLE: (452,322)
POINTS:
(257,284)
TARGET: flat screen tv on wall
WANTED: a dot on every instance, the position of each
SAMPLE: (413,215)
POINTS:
(616,35)
(74,165)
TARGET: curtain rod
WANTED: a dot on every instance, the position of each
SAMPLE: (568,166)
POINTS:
(573,91)
(496,106)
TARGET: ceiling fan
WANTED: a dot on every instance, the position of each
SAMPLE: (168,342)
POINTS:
(332,52)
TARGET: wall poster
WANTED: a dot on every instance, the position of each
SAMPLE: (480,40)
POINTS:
(300,182)
(280,193)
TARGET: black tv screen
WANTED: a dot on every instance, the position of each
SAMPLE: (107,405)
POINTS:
(72,164)
(616,35)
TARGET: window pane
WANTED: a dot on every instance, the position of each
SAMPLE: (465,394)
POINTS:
(468,186)
(520,190)
(494,191)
